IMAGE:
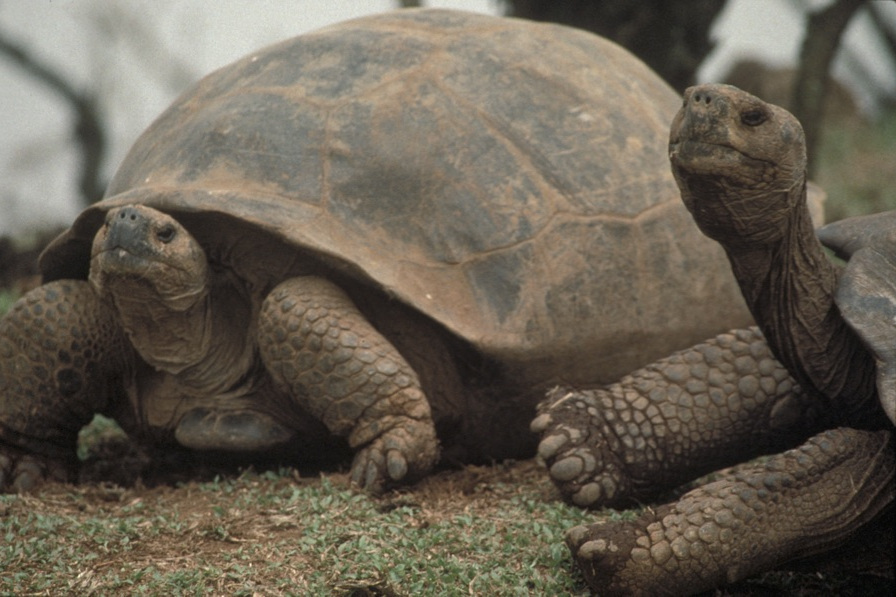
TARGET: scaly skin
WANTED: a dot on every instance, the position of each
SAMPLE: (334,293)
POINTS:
(793,505)
(694,412)
(184,355)
(314,341)
(62,359)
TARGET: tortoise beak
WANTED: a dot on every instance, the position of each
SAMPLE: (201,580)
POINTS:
(128,229)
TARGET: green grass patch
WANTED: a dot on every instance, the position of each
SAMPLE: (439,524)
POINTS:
(7,298)
(272,533)
(857,166)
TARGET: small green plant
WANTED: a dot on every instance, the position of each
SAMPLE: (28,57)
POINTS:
(7,298)
(100,429)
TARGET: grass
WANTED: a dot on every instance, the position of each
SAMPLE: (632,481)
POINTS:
(7,298)
(274,533)
(483,530)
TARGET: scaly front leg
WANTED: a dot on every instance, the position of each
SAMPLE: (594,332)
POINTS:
(63,358)
(315,342)
(713,405)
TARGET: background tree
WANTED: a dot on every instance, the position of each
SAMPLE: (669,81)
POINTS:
(823,32)
(108,28)
(89,126)
(671,37)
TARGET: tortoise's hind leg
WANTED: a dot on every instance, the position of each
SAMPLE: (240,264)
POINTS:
(63,358)
(796,504)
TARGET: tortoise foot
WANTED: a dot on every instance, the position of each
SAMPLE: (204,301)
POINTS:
(21,472)
(401,454)
(339,368)
(635,558)
(601,552)
(580,451)
(790,505)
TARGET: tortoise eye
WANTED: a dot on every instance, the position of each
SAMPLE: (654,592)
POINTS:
(753,117)
(166,234)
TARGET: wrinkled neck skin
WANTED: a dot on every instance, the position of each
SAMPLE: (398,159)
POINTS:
(167,339)
(789,284)
(202,341)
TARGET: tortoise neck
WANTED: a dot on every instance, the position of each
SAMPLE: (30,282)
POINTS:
(789,286)
(790,274)
(204,345)
(166,339)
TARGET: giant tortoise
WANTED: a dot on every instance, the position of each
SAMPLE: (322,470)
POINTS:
(805,389)
(389,236)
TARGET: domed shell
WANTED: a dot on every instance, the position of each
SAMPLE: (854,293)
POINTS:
(506,178)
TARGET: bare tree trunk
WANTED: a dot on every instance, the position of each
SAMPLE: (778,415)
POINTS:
(820,45)
(89,131)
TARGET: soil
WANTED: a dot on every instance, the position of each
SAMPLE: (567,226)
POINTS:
(108,486)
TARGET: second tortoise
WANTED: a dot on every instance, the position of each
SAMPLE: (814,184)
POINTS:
(813,389)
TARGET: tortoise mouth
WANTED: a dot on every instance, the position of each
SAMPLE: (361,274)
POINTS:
(711,157)
(120,260)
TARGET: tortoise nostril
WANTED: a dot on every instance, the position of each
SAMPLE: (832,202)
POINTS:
(128,213)
(703,97)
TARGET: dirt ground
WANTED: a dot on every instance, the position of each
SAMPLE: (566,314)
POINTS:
(114,526)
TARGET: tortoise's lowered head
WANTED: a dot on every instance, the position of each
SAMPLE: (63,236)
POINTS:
(143,254)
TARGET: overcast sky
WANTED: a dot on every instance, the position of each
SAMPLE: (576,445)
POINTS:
(103,44)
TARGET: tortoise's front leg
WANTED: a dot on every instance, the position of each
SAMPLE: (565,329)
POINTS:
(63,358)
(796,504)
(713,405)
(314,341)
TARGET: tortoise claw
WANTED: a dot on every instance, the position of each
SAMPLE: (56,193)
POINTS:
(399,455)
(23,473)
(581,462)
(540,423)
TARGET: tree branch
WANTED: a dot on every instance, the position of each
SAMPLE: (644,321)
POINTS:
(823,32)
(89,132)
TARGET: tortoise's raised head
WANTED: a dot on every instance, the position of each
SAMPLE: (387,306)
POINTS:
(739,162)
(142,254)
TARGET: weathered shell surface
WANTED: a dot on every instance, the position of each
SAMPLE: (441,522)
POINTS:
(506,178)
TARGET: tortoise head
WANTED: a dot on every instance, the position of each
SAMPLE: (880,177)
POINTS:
(740,163)
(143,255)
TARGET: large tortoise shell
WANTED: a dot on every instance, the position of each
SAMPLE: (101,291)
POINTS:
(506,178)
